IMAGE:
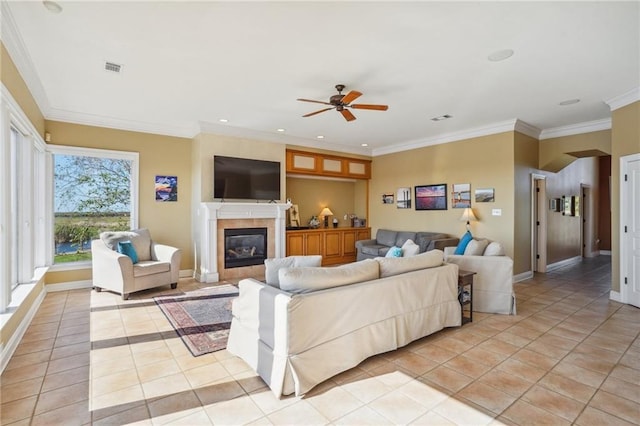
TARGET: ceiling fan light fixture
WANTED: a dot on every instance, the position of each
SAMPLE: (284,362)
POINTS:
(319,137)
(364,144)
(442,117)
(223,120)
(52,6)
(280,130)
(569,102)
(500,55)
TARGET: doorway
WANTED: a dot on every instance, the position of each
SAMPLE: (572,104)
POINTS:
(586,210)
(630,229)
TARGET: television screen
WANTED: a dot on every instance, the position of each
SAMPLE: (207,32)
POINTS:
(242,178)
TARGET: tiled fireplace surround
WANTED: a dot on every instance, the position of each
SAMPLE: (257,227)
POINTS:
(216,217)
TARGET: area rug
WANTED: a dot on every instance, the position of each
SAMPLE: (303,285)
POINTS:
(202,318)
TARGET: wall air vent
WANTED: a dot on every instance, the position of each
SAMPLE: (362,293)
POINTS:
(112,67)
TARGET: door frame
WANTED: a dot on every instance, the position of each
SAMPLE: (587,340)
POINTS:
(625,241)
(538,232)
(586,229)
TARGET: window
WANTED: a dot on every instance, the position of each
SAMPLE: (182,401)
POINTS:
(93,191)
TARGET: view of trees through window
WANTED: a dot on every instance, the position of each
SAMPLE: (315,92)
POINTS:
(91,195)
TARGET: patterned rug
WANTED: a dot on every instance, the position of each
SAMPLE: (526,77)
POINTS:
(202,318)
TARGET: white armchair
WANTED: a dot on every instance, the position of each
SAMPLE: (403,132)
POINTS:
(157,264)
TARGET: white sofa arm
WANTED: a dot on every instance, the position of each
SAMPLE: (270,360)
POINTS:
(169,254)
(493,282)
(110,269)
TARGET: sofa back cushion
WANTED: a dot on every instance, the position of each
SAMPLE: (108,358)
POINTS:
(400,265)
(403,236)
(140,239)
(386,237)
(476,247)
(494,249)
(273,266)
(426,240)
(306,279)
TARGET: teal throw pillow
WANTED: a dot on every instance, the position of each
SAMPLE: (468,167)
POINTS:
(394,252)
(466,238)
(125,247)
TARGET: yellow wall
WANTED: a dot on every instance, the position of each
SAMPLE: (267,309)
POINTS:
(625,140)
(484,162)
(169,222)
(525,163)
(553,152)
(312,195)
(15,84)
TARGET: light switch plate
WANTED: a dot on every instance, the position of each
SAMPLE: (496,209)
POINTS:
(496,212)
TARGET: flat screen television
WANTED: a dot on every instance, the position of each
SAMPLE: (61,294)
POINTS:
(245,179)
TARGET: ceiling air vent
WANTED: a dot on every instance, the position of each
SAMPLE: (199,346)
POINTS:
(110,66)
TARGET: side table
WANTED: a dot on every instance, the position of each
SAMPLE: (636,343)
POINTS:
(465,294)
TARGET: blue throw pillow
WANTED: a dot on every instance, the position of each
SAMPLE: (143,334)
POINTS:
(463,243)
(125,247)
(394,252)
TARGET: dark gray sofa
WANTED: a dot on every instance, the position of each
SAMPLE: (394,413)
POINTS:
(385,239)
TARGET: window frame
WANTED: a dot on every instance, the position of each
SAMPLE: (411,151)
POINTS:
(52,150)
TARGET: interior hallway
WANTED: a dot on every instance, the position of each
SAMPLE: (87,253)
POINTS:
(570,355)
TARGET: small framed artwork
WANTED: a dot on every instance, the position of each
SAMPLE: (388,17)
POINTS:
(166,188)
(431,197)
(294,215)
(461,196)
(566,206)
(553,204)
(575,206)
(403,198)
(485,195)
(387,198)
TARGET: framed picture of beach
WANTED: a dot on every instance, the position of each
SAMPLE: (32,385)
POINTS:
(461,196)
(431,197)
(485,195)
(403,198)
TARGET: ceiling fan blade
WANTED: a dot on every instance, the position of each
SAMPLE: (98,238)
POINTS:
(369,106)
(311,100)
(317,112)
(350,97)
(347,115)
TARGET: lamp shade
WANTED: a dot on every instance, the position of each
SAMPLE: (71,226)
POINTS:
(468,216)
(326,212)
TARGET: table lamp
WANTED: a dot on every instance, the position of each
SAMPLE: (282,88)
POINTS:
(467,216)
(326,213)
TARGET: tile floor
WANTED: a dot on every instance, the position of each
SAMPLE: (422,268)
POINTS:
(570,356)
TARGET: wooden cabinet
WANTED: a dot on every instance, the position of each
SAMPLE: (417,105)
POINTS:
(310,163)
(336,245)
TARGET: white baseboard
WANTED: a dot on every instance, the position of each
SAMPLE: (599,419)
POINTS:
(565,262)
(523,276)
(615,296)
(186,273)
(7,350)
(605,252)
(69,285)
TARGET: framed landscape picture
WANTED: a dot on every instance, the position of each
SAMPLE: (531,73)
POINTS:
(403,198)
(431,197)
(461,195)
(485,195)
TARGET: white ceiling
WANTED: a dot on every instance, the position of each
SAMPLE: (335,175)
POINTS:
(186,65)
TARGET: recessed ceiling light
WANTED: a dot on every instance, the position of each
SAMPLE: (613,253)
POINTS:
(223,120)
(569,102)
(319,137)
(442,117)
(52,6)
(279,130)
(364,144)
(500,55)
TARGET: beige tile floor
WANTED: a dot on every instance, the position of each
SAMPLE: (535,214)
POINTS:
(570,356)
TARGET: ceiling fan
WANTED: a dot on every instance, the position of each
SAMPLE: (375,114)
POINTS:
(340,102)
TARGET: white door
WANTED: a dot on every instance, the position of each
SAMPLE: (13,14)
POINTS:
(630,228)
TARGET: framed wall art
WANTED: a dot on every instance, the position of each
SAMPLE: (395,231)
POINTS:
(403,198)
(485,195)
(431,197)
(461,196)
(387,198)
(166,188)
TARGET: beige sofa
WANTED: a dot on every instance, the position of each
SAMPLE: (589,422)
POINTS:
(493,282)
(322,321)
(157,265)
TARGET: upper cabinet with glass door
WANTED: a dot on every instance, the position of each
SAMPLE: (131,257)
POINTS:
(311,163)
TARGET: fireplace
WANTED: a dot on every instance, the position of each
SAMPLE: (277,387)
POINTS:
(244,247)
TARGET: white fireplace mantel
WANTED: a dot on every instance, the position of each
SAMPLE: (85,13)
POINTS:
(210,213)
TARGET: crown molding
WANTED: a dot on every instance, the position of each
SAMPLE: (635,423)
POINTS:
(491,129)
(19,55)
(187,131)
(625,99)
(527,129)
(576,129)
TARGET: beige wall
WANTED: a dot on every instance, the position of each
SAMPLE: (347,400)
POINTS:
(525,163)
(311,195)
(169,223)
(484,162)
(553,152)
(15,84)
(625,140)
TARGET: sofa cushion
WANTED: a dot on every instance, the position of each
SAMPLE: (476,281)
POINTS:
(140,238)
(462,245)
(149,267)
(395,266)
(494,249)
(375,249)
(394,252)
(425,239)
(409,248)
(273,266)
(403,237)
(386,237)
(126,248)
(306,279)
(476,247)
